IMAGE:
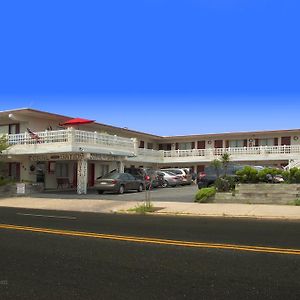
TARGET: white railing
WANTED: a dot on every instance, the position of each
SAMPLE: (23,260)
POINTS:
(292,164)
(105,141)
(262,150)
(42,137)
(87,137)
(71,136)
(150,152)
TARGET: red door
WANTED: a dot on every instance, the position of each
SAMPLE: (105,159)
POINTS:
(91,174)
(75,175)
(286,141)
(218,143)
(201,144)
(200,168)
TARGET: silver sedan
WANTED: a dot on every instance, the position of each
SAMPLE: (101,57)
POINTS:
(170,179)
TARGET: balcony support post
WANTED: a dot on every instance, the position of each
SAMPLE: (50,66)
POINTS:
(82,174)
(121,166)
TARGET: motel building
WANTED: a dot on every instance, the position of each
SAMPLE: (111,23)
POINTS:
(55,156)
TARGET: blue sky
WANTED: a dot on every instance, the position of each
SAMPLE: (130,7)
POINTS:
(162,66)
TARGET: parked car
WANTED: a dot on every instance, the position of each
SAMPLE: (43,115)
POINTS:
(184,173)
(118,182)
(170,179)
(209,176)
(149,176)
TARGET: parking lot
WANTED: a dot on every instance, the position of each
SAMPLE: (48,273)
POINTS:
(175,194)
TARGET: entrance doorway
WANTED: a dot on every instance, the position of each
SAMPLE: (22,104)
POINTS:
(91,174)
(14,171)
(40,172)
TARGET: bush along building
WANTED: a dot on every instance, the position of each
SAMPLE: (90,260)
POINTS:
(56,151)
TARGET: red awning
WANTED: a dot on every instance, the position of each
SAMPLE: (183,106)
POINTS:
(76,121)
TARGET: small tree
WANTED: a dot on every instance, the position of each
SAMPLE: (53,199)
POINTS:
(3,143)
(217,165)
(225,159)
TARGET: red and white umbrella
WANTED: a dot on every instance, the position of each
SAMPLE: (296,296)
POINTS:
(76,121)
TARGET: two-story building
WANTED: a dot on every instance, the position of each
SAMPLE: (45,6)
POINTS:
(41,150)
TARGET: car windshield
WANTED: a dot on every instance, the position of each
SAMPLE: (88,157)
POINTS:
(170,173)
(176,172)
(111,176)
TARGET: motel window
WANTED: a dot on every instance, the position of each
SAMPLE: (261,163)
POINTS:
(142,144)
(236,143)
(103,169)
(150,146)
(62,170)
(266,142)
(184,146)
(3,129)
(165,147)
(13,128)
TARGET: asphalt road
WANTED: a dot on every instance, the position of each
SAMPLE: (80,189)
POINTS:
(176,194)
(37,265)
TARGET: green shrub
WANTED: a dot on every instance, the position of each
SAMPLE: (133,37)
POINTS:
(5,181)
(247,175)
(262,175)
(203,195)
(294,175)
(297,202)
(225,184)
(286,176)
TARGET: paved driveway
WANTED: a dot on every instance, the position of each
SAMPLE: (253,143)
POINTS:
(176,194)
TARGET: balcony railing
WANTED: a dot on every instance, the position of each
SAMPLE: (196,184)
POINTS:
(69,139)
(150,152)
(73,137)
(238,151)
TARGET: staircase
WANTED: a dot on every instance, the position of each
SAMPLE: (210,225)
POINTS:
(293,163)
(261,194)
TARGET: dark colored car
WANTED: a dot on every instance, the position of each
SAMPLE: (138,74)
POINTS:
(151,177)
(210,175)
(119,183)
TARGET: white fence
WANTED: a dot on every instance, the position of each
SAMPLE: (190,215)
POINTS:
(238,151)
(52,139)
(70,136)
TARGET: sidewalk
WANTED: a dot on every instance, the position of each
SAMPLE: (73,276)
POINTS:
(170,208)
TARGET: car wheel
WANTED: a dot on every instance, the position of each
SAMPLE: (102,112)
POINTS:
(100,192)
(121,189)
(165,184)
(141,187)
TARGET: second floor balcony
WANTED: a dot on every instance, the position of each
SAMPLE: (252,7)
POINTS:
(70,140)
(260,153)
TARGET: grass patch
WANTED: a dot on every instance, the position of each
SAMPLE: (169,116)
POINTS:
(297,202)
(6,181)
(143,208)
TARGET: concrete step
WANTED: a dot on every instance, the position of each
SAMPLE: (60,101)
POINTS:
(253,200)
(264,194)
(268,187)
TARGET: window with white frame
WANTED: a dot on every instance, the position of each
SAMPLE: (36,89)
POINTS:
(185,146)
(3,129)
(266,142)
(103,169)
(62,169)
(149,145)
(236,143)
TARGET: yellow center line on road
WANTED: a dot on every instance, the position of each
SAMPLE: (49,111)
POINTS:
(150,240)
